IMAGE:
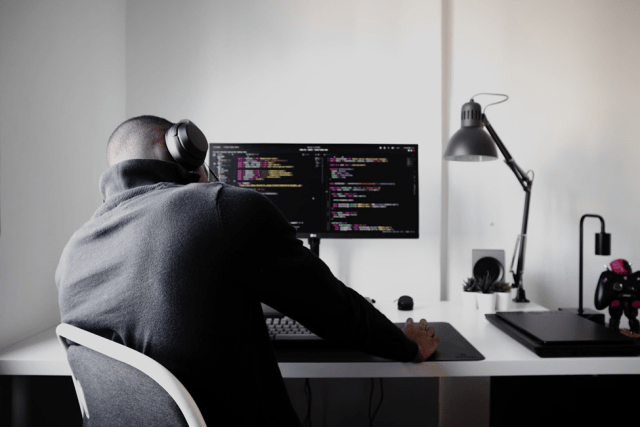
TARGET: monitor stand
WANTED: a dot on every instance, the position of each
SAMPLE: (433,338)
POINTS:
(314,245)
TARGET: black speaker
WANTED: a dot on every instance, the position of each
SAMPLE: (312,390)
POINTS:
(490,261)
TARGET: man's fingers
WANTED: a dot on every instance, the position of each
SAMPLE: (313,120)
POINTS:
(408,328)
(425,338)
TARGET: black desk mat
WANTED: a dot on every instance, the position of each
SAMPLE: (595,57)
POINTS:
(452,346)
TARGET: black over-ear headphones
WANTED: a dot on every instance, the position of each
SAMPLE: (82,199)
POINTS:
(187,144)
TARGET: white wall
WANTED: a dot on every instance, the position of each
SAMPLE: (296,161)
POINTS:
(570,69)
(312,72)
(330,72)
(336,71)
(62,71)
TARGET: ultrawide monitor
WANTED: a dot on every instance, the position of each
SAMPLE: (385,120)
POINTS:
(330,190)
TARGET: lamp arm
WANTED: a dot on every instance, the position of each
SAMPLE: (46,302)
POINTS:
(526,183)
(517,275)
(523,178)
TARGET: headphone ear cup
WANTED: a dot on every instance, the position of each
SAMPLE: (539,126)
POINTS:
(171,139)
(186,144)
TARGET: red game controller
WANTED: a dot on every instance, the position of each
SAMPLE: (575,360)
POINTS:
(619,289)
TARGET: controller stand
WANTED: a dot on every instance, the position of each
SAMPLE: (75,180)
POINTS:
(602,247)
(587,313)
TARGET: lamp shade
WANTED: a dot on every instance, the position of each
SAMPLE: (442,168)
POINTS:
(603,243)
(471,143)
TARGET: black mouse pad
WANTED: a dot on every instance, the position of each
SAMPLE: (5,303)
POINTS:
(452,346)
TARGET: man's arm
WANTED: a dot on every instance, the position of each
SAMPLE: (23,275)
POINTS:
(300,285)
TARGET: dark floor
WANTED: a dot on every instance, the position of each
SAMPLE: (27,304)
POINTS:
(50,402)
(565,400)
(523,401)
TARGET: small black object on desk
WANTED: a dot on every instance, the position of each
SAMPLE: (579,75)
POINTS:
(405,303)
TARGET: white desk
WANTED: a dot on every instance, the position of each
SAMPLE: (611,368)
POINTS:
(41,354)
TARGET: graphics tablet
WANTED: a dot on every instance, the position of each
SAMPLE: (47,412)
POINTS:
(563,334)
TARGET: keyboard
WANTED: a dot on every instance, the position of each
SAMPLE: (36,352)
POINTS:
(287,329)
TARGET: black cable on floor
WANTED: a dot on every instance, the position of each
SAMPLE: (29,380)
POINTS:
(307,392)
(372,417)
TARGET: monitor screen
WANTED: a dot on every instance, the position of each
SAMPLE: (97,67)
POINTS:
(329,190)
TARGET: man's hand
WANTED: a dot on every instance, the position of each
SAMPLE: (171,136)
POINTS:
(425,338)
(628,333)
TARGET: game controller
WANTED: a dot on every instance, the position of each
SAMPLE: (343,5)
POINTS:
(619,289)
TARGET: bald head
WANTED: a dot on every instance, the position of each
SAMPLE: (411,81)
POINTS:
(141,137)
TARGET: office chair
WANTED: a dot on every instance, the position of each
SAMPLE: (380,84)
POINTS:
(118,386)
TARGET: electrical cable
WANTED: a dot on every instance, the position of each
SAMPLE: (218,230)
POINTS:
(493,94)
(307,392)
(372,417)
(211,171)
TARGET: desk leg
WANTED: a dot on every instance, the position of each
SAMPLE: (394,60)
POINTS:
(5,400)
(19,401)
(464,401)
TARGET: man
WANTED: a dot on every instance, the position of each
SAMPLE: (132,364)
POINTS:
(176,267)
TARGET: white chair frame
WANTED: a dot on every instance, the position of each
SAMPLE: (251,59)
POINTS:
(131,357)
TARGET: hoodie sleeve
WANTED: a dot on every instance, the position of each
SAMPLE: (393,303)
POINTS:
(292,280)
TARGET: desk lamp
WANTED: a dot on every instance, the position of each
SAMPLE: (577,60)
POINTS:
(472,144)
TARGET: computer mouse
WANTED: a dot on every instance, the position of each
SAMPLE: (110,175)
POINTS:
(405,303)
